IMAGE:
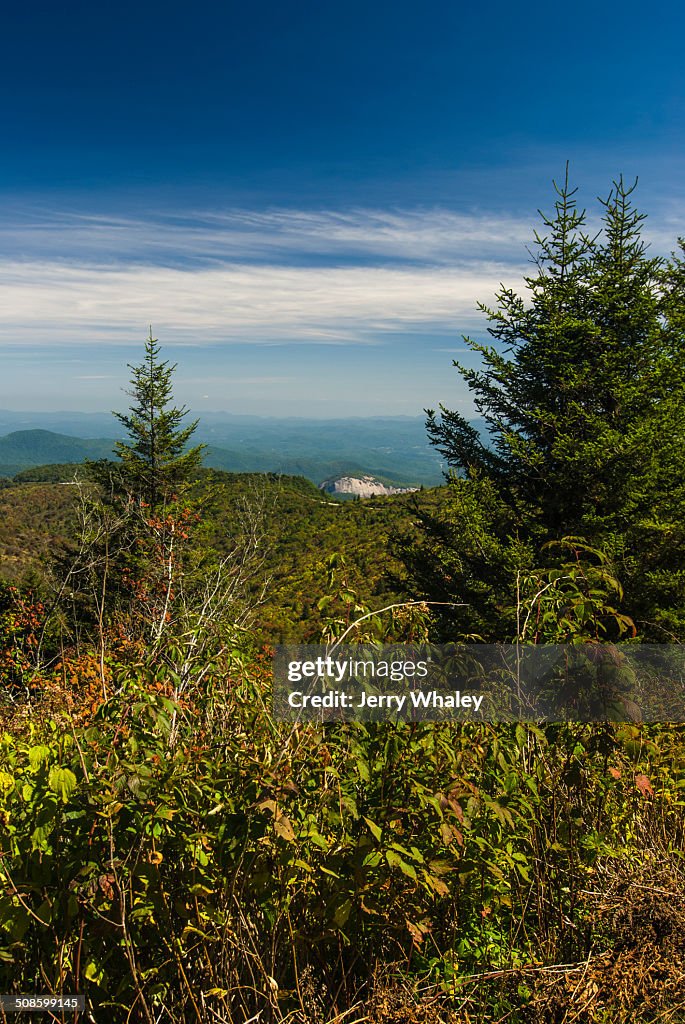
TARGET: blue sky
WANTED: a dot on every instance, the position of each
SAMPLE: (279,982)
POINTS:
(305,200)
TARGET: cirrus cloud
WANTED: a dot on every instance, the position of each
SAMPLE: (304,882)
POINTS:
(264,303)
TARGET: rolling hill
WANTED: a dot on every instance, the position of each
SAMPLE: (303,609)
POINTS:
(25,448)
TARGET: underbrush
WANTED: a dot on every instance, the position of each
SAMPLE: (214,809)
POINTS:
(179,856)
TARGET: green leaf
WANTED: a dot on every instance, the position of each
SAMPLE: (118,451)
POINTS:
(342,913)
(375,830)
(93,972)
(37,755)
(62,782)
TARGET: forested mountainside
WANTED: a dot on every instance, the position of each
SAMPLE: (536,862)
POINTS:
(299,529)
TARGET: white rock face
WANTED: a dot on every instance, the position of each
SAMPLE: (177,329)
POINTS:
(361,487)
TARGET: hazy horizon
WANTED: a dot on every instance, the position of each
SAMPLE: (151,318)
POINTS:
(207,414)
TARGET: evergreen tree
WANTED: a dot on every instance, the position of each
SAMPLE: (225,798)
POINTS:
(155,460)
(136,547)
(583,395)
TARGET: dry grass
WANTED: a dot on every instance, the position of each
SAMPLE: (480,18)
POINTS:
(640,974)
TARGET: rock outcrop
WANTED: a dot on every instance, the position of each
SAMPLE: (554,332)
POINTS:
(361,487)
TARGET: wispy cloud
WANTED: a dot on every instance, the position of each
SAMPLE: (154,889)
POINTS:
(270,276)
(58,302)
(435,236)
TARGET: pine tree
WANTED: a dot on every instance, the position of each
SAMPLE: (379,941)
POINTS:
(155,460)
(583,395)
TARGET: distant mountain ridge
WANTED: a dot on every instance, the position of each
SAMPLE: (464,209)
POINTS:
(395,449)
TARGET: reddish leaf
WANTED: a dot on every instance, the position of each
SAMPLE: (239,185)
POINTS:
(644,785)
